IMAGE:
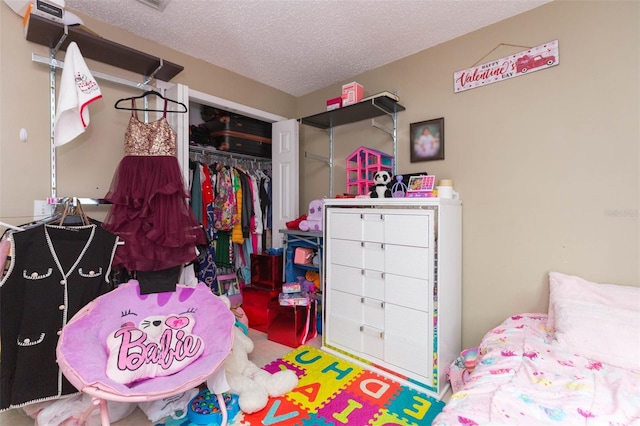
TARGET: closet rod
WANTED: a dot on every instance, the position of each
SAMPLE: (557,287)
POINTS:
(84,201)
(212,151)
(15,228)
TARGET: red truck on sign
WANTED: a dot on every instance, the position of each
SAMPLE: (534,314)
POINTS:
(527,62)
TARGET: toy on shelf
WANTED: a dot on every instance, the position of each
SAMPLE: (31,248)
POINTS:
(362,164)
(421,186)
(314,278)
(300,298)
(399,189)
(381,185)
(313,222)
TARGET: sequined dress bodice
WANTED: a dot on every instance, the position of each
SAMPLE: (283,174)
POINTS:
(147,139)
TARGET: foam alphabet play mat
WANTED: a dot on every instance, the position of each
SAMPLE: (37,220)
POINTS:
(334,391)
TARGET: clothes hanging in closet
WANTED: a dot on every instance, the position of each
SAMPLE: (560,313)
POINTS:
(238,219)
(207,271)
(148,197)
(54,272)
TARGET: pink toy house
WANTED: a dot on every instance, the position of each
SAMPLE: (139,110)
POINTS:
(361,166)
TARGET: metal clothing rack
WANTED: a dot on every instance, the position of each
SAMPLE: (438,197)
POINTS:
(42,33)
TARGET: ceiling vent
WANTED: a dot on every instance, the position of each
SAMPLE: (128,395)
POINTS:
(155,4)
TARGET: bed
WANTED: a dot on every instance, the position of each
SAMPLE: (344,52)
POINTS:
(577,365)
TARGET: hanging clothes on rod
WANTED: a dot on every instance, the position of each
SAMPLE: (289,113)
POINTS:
(183,108)
(227,196)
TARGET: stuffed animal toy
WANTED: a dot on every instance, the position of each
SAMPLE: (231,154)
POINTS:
(313,222)
(313,277)
(252,384)
(381,181)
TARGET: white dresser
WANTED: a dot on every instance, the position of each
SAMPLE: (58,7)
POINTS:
(393,286)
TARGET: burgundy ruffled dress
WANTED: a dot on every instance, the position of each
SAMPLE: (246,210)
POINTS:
(149,209)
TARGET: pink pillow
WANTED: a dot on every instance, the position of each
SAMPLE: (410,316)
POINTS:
(599,332)
(577,289)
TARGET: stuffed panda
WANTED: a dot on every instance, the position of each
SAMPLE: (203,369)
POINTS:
(381,188)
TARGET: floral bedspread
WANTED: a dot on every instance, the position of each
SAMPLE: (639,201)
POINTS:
(523,377)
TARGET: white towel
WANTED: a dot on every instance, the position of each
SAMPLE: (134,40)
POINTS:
(78,89)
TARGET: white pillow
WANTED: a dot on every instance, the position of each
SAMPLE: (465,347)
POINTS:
(599,332)
(575,288)
(598,321)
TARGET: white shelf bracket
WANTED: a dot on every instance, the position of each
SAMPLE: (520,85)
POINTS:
(379,126)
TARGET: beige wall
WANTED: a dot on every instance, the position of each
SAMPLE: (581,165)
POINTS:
(547,164)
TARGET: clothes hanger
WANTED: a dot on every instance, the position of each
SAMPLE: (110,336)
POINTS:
(144,95)
(73,214)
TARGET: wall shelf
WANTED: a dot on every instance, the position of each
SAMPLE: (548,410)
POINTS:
(353,113)
(365,110)
(48,33)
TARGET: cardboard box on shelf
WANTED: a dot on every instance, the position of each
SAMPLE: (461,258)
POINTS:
(352,93)
(334,103)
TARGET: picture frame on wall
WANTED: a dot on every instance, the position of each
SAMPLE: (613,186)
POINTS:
(427,140)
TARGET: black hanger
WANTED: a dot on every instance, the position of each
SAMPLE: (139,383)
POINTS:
(144,95)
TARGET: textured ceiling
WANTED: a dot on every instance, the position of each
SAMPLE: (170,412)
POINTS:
(299,46)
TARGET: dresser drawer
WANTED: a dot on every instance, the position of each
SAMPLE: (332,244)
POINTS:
(408,339)
(414,293)
(408,229)
(346,226)
(346,252)
(391,227)
(408,261)
(344,318)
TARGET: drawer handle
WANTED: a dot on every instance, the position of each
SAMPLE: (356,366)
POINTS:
(382,275)
(382,246)
(381,334)
(382,304)
(361,271)
(362,300)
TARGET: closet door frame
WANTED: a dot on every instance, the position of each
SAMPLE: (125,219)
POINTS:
(180,122)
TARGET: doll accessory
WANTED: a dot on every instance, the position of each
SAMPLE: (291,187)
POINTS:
(399,189)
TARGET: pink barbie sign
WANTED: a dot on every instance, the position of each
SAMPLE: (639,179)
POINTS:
(526,61)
